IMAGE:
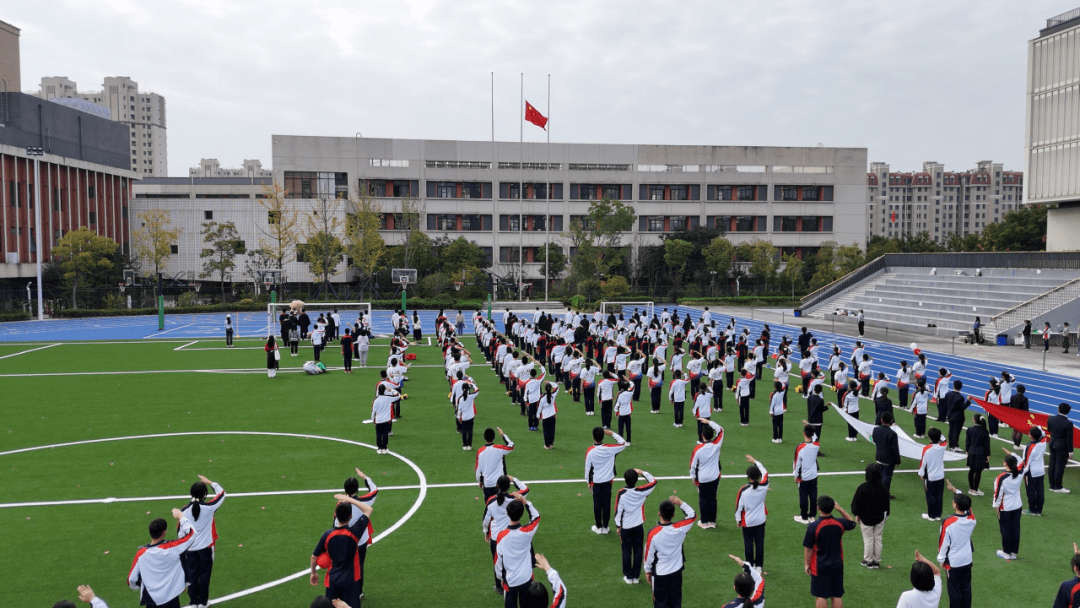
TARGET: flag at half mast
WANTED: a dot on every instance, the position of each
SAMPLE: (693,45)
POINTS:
(534,116)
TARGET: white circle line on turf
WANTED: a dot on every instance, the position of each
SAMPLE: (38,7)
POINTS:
(423,486)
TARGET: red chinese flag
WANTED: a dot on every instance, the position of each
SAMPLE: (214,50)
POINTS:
(1020,420)
(892,218)
(535,117)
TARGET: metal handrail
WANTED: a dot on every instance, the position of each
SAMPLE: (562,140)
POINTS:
(848,280)
(1046,294)
(1063,18)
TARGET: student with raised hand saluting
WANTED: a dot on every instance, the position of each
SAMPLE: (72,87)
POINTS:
(664,556)
(495,517)
(599,471)
(749,586)
(198,560)
(630,521)
(750,511)
(537,595)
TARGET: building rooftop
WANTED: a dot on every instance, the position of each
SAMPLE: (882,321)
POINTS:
(205,181)
(1060,22)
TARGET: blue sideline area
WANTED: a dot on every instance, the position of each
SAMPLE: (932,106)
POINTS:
(193,326)
(1044,390)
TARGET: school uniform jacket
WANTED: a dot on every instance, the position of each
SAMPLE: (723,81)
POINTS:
(1068,595)
(495,518)
(513,558)
(547,408)
(1007,491)
(156,572)
(1032,461)
(702,404)
(558,589)
(624,403)
(466,407)
(805,467)
(954,541)
(600,460)
(367,498)
(205,528)
(705,459)
(664,547)
(340,545)
(491,463)
(750,501)
(757,598)
(630,503)
(776,403)
(382,409)
(932,462)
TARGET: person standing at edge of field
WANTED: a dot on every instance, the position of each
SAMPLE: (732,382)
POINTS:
(599,471)
(630,521)
(229,333)
(317,339)
(491,461)
(705,470)
(887,445)
(1046,336)
(870,506)
(823,553)
(513,552)
(664,556)
(362,345)
(1061,446)
(198,559)
(955,404)
(955,549)
(1068,595)
(805,470)
(382,414)
(272,355)
(750,511)
(157,572)
(352,490)
(932,471)
(1026,332)
(347,349)
(862,323)
(977,446)
(815,410)
(340,544)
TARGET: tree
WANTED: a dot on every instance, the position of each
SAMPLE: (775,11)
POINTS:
(719,256)
(154,240)
(849,258)
(364,245)
(553,254)
(968,242)
(764,260)
(224,245)
(676,254)
(460,254)
(878,246)
(324,248)
(1020,230)
(597,238)
(614,288)
(281,232)
(792,272)
(826,270)
(85,258)
(257,260)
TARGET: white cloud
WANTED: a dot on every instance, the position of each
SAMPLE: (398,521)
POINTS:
(911,81)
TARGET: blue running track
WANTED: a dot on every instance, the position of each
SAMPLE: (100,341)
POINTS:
(1044,390)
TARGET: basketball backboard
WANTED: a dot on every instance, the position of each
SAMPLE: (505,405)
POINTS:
(405,276)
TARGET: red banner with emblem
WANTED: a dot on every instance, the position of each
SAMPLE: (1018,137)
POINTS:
(1020,420)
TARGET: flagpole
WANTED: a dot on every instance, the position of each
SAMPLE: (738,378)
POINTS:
(494,198)
(547,189)
(521,163)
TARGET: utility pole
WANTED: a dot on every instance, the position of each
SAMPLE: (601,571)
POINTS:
(37,152)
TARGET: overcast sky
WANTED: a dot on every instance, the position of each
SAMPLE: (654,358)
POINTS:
(911,80)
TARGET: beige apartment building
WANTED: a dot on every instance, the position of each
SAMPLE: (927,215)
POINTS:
(142,112)
(10,77)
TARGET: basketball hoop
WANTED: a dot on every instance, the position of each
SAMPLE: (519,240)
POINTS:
(458,285)
(122,286)
(197,286)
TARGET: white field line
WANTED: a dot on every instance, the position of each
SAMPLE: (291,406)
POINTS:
(90,501)
(31,350)
(182,346)
(162,333)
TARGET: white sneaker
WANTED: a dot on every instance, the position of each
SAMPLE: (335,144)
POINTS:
(1012,556)
(628,581)
(627,444)
(702,525)
(798,519)
(1003,555)
(1065,491)
(605,530)
(465,448)
(596,530)
(927,517)
(636,581)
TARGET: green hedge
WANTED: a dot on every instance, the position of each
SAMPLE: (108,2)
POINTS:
(14,316)
(413,304)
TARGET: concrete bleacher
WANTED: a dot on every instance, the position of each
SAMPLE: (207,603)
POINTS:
(943,303)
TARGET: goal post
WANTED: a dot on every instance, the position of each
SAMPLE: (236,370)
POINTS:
(348,311)
(645,309)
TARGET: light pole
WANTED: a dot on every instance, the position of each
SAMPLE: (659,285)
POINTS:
(37,152)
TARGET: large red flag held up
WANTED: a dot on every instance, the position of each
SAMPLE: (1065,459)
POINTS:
(1020,420)
(534,116)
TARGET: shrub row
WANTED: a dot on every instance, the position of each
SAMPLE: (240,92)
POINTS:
(14,316)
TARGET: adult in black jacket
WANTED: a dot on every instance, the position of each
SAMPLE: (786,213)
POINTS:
(815,411)
(977,446)
(1019,401)
(882,405)
(870,506)
(954,405)
(888,449)
(1061,446)
(804,340)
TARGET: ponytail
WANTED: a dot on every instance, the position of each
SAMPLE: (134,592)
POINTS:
(196,508)
(754,474)
(1010,463)
(198,493)
(503,486)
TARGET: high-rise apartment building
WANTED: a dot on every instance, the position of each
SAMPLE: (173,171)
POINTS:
(1052,128)
(210,167)
(10,77)
(142,112)
(939,202)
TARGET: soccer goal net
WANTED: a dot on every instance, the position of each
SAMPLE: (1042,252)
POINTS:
(627,309)
(348,312)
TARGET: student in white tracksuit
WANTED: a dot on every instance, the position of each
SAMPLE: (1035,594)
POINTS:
(513,551)
(705,470)
(664,556)
(750,512)
(495,518)
(156,572)
(630,521)
(198,560)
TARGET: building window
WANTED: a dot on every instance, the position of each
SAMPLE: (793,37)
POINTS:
(312,184)
(655,223)
(655,193)
(208,215)
(790,193)
(587,192)
(300,252)
(746,193)
(397,188)
(556,223)
(510,223)
(174,249)
(92,217)
(612,192)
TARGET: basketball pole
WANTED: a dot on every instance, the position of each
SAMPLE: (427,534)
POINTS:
(404,288)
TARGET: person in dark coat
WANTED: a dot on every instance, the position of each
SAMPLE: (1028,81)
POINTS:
(1019,401)
(977,446)
(882,405)
(888,449)
(954,403)
(1060,429)
(815,411)
(271,356)
(870,506)
(304,321)
(804,340)
(1027,335)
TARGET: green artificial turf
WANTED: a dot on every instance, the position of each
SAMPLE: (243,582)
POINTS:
(438,557)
